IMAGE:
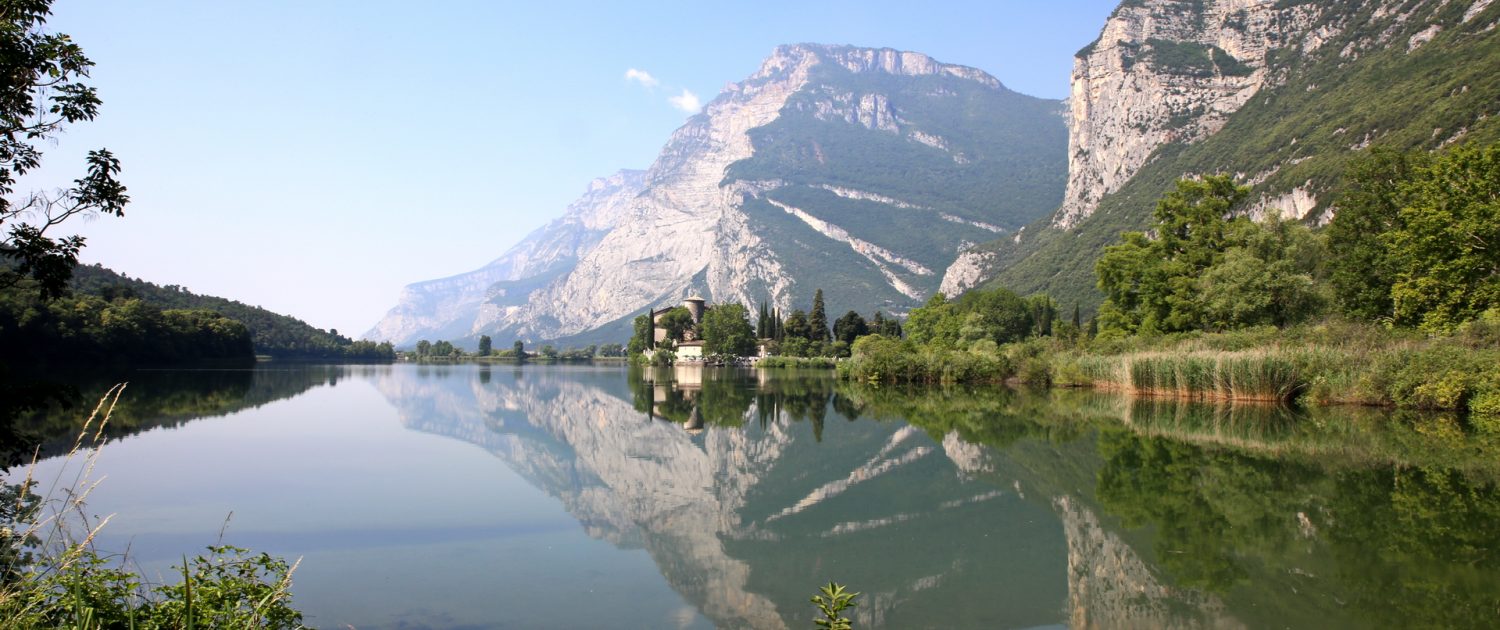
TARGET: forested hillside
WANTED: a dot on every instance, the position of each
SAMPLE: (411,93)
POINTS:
(280,336)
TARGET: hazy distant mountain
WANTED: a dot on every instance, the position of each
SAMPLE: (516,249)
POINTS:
(860,171)
(449,308)
(1281,94)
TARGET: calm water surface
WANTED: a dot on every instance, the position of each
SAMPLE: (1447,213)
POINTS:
(572,497)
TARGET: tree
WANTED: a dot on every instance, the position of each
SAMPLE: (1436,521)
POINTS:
(726,330)
(850,327)
(1152,284)
(676,322)
(1043,311)
(485,345)
(1360,266)
(934,322)
(42,93)
(886,327)
(424,348)
(643,334)
(817,320)
(520,350)
(1446,242)
(1272,279)
(795,326)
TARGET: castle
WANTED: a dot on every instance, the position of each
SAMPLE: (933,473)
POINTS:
(689,346)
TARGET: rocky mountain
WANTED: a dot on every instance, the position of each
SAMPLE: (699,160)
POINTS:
(1280,93)
(864,172)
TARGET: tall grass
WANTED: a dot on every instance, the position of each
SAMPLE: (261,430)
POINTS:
(60,579)
(1253,375)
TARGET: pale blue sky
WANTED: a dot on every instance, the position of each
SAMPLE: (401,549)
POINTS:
(314,157)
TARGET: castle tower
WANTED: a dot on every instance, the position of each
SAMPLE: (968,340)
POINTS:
(694,305)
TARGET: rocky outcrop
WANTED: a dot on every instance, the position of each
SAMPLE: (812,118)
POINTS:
(968,271)
(1166,71)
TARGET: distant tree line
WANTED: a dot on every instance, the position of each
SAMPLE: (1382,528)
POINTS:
(425,349)
(726,330)
(273,334)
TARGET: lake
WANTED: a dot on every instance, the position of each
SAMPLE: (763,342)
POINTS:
(538,496)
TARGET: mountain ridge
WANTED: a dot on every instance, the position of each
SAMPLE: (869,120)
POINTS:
(861,171)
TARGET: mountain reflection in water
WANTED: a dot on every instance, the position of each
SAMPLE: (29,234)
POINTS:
(946,507)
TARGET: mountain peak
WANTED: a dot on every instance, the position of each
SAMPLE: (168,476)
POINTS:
(891,61)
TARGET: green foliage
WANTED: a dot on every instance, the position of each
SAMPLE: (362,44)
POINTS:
(878,359)
(850,327)
(1447,240)
(227,588)
(1151,283)
(486,345)
(1205,271)
(1414,239)
(998,315)
(676,322)
(726,330)
(817,320)
(87,330)
(1360,269)
(832,601)
(796,326)
(273,334)
(1271,278)
(43,93)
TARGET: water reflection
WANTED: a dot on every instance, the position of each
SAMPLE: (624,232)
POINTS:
(947,507)
(172,398)
(747,501)
(970,507)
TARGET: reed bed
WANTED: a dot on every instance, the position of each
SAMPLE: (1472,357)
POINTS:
(1268,375)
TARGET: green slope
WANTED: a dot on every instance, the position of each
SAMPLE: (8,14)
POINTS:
(1306,129)
(277,335)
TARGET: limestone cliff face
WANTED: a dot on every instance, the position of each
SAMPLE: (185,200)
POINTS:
(782,185)
(452,306)
(1166,71)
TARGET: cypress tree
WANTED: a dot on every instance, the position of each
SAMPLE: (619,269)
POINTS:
(818,320)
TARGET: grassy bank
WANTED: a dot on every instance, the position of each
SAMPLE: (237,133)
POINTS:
(1329,363)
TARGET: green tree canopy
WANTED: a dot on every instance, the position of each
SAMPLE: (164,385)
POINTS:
(850,327)
(676,322)
(726,330)
(1446,245)
(41,93)
(642,336)
(1417,237)
(1204,270)
(796,326)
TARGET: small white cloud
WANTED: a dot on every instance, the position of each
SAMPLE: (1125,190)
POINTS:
(687,101)
(642,77)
